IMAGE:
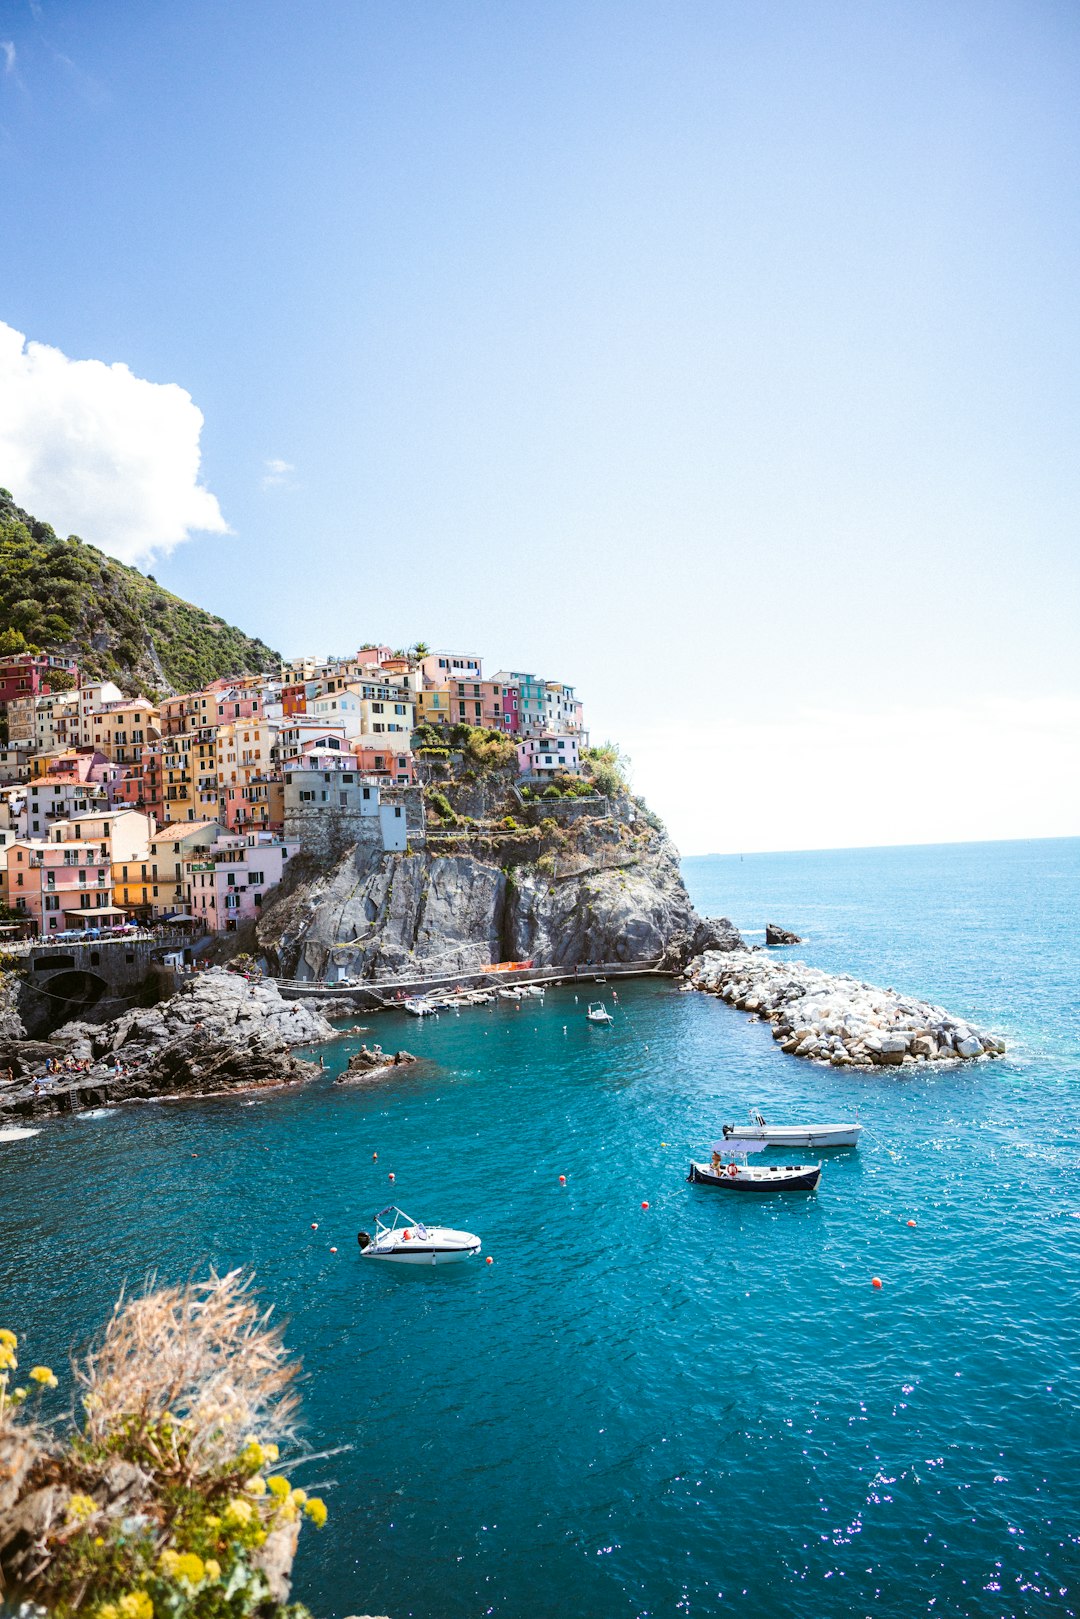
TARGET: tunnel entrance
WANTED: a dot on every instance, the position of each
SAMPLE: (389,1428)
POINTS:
(70,994)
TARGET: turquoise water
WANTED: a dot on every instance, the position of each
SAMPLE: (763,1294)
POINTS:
(675,1411)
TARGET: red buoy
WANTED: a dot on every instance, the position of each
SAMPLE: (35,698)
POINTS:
(562,1180)
(333,1250)
(875,1281)
(488,1260)
(644,1205)
(374,1158)
(911,1222)
(314,1225)
(391,1174)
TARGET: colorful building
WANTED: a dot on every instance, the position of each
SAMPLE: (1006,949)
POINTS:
(227,882)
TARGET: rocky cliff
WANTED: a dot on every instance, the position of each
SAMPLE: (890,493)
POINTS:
(606,886)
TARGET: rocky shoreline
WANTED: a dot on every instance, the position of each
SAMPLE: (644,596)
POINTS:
(836,1018)
(219,1033)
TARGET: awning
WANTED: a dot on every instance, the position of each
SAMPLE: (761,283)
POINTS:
(739,1147)
(97,912)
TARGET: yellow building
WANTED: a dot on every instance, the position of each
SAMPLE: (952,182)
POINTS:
(433,706)
(169,848)
(123,731)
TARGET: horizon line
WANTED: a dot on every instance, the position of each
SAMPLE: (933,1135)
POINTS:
(852,848)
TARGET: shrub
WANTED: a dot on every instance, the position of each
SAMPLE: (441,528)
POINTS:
(552,791)
(508,824)
(162,1498)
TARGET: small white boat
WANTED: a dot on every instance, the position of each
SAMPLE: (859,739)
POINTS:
(598,1013)
(536,991)
(736,1176)
(419,1006)
(17,1133)
(793,1135)
(509,994)
(410,1242)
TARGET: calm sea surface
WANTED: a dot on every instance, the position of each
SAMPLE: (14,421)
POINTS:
(699,1408)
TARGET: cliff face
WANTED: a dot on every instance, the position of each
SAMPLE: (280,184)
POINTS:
(605,888)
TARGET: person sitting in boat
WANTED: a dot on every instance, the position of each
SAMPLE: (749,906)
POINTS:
(717,1162)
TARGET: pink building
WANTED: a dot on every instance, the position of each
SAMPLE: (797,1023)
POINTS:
(25,674)
(501,707)
(226,884)
(61,885)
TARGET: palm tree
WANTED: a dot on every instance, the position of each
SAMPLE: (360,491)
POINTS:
(419,650)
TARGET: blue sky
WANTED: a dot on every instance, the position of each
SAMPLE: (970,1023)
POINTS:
(721,358)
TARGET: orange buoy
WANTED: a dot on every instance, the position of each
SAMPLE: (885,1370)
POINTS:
(488,1260)
(562,1180)
(911,1222)
(644,1205)
(875,1281)
(333,1250)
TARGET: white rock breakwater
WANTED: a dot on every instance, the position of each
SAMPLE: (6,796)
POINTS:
(835,1018)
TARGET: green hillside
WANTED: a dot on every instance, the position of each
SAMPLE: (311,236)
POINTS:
(67,596)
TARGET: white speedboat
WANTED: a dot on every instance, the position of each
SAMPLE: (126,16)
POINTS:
(410,1242)
(598,1013)
(793,1135)
(740,1176)
(419,1006)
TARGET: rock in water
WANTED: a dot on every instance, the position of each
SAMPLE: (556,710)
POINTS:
(774,934)
(835,1018)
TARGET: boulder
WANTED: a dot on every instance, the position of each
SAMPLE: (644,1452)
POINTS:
(776,935)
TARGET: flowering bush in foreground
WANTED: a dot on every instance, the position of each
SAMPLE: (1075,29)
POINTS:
(157,1502)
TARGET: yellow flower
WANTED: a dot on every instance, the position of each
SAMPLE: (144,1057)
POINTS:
(80,1507)
(168,1561)
(191,1567)
(253,1455)
(212,1522)
(44,1376)
(271,1452)
(256,1485)
(278,1486)
(99,1540)
(8,1338)
(316,1511)
(7,1356)
(213,1570)
(18,1396)
(238,1511)
(136,1605)
(108,1610)
(299,1496)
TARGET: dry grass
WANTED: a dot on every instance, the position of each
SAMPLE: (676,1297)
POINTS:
(190,1372)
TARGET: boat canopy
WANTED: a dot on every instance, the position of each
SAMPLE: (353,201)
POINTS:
(739,1146)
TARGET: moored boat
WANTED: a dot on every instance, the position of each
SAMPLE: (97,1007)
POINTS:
(420,1006)
(739,1176)
(813,1136)
(598,1013)
(406,1241)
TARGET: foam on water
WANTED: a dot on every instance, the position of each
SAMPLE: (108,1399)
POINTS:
(668,1411)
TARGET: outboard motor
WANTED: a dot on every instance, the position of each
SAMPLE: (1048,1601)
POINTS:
(363,1239)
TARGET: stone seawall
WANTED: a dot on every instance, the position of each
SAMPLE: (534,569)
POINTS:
(835,1018)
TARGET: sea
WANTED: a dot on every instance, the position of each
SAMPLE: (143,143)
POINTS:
(657,1399)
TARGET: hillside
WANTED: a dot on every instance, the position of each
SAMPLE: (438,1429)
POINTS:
(68,596)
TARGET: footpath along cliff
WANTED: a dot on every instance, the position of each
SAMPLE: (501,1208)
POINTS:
(494,877)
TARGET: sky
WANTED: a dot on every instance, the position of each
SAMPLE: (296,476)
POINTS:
(720,359)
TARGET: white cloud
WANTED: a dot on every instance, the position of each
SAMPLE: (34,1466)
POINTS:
(814,778)
(97,451)
(277,473)
(8,48)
